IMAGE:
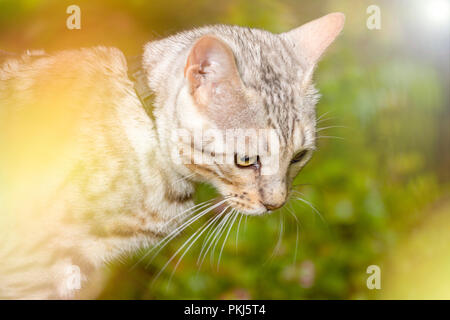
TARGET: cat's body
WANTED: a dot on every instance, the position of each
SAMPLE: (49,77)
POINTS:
(98,188)
(86,173)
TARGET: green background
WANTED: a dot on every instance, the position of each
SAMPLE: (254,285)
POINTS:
(380,177)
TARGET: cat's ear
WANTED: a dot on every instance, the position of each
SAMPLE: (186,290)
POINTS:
(310,40)
(210,65)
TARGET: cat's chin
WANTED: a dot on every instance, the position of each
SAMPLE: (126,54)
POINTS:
(253,212)
(246,210)
(231,205)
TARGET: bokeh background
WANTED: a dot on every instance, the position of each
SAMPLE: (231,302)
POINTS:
(378,187)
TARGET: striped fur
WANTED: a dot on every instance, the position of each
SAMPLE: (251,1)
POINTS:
(86,176)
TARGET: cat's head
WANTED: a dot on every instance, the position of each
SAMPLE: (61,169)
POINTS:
(222,81)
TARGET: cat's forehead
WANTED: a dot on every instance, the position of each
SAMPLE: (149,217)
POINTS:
(270,70)
(272,75)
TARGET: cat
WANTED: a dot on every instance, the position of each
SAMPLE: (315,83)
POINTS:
(86,174)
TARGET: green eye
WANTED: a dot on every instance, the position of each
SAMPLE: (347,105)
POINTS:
(299,156)
(245,161)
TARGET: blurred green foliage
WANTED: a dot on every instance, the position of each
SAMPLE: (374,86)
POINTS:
(380,169)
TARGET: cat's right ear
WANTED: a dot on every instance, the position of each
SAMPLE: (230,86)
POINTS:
(310,40)
(210,66)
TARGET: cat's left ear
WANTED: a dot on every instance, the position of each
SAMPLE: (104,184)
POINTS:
(211,70)
(310,40)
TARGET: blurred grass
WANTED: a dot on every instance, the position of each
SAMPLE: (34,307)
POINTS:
(374,185)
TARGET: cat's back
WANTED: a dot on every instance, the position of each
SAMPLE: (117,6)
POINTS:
(66,155)
(55,88)
(35,70)
(49,102)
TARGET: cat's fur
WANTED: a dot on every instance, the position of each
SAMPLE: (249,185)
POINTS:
(86,175)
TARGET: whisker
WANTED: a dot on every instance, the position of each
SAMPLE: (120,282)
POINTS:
(329,127)
(226,237)
(208,236)
(213,232)
(209,232)
(204,227)
(221,231)
(208,202)
(175,232)
(323,115)
(301,185)
(331,137)
(278,244)
(324,120)
(237,232)
(297,232)
(199,206)
(281,233)
(201,230)
(310,205)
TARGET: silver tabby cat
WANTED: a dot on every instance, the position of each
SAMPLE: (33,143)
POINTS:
(86,174)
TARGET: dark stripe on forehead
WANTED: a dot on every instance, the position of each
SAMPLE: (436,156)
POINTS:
(291,133)
(276,75)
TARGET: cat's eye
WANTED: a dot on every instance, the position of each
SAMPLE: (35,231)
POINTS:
(245,161)
(299,156)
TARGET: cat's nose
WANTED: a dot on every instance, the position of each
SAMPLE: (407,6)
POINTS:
(273,206)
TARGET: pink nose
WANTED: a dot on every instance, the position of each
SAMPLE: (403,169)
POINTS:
(271,206)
